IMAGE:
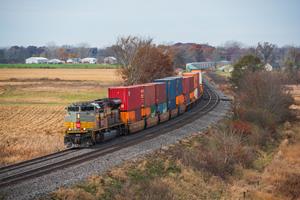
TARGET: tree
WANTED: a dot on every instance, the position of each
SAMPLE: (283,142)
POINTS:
(248,63)
(265,51)
(292,65)
(141,61)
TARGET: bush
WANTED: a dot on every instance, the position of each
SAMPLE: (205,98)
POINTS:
(263,99)
(218,153)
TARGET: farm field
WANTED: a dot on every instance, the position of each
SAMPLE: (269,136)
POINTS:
(62,66)
(32,103)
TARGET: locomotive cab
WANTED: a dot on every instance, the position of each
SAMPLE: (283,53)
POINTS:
(87,123)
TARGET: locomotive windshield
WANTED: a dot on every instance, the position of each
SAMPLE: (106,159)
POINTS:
(73,109)
(87,108)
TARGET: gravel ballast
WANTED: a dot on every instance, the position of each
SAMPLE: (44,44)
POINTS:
(40,186)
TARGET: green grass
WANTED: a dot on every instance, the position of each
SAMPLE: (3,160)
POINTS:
(59,66)
(225,74)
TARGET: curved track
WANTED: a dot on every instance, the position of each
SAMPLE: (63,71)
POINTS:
(33,168)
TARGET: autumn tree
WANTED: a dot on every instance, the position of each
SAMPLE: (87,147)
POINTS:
(141,60)
(248,63)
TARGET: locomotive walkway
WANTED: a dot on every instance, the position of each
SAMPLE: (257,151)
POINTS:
(37,177)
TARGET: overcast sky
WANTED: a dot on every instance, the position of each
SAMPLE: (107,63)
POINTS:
(99,22)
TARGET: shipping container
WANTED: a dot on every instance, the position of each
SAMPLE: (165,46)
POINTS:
(146,112)
(196,93)
(187,99)
(153,111)
(170,87)
(147,94)
(130,116)
(186,84)
(162,107)
(195,75)
(178,80)
(200,74)
(192,96)
(129,95)
(160,92)
(180,99)
(171,104)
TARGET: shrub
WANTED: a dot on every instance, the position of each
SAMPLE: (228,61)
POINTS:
(218,153)
(263,99)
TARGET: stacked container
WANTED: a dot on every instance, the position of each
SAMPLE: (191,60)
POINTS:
(200,81)
(130,109)
(170,91)
(188,87)
(148,98)
(194,94)
(161,97)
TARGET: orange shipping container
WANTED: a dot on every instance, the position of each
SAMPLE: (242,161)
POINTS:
(180,100)
(128,116)
(146,112)
(192,96)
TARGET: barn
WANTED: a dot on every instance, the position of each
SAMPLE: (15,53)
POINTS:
(36,60)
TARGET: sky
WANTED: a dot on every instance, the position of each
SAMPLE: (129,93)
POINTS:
(99,23)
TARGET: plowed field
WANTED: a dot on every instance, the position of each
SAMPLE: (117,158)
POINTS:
(32,103)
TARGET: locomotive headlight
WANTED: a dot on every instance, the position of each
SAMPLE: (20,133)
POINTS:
(84,129)
(69,129)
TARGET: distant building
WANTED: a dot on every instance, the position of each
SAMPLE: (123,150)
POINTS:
(89,60)
(36,60)
(268,67)
(110,60)
(74,60)
(55,61)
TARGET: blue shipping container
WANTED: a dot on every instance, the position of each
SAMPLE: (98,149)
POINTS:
(179,87)
(170,87)
(171,104)
(162,107)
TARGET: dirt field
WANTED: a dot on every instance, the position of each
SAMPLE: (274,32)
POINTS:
(104,76)
(32,103)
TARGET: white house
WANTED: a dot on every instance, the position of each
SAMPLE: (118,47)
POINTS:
(74,60)
(268,67)
(55,61)
(36,60)
(110,60)
(89,60)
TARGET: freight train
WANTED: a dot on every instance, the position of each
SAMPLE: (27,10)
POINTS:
(130,109)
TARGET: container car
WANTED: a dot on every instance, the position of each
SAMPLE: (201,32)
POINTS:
(130,109)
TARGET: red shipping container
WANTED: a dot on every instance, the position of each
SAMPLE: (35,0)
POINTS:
(160,93)
(129,95)
(196,77)
(186,84)
(148,94)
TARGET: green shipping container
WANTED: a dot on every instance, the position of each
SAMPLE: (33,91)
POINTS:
(153,110)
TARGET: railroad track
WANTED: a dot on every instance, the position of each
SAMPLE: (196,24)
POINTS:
(20,172)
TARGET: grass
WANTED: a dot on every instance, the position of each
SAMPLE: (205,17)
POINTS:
(61,66)
(53,97)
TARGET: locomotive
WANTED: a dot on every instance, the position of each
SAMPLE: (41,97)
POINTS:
(129,109)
